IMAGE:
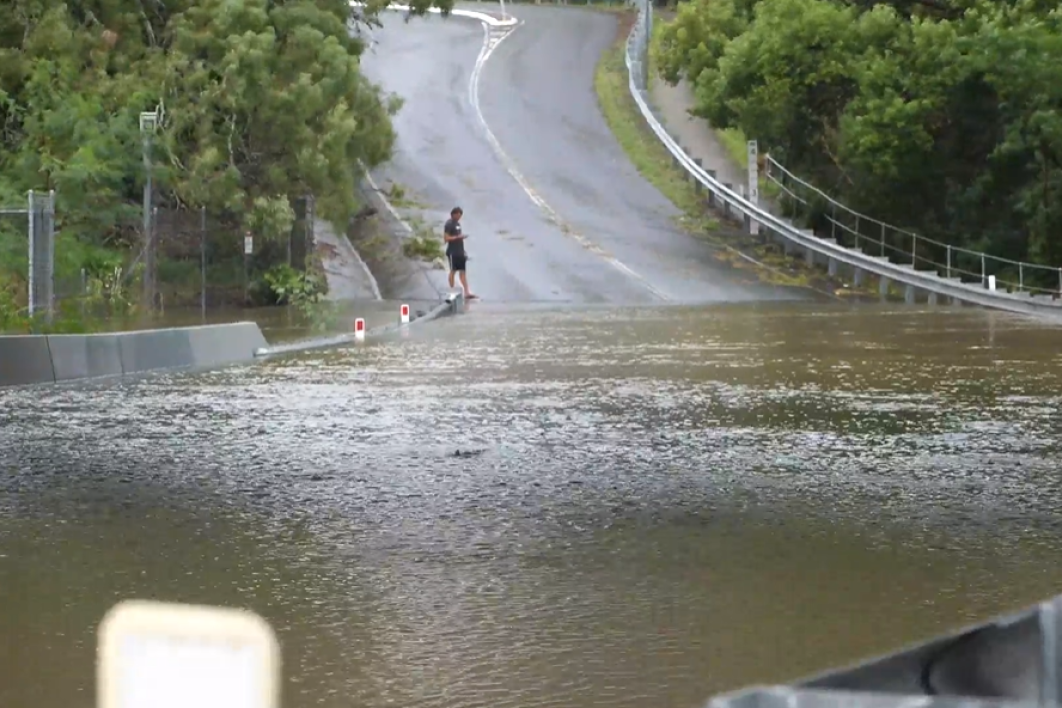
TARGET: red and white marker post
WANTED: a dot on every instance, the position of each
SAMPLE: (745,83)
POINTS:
(359,329)
(404,314)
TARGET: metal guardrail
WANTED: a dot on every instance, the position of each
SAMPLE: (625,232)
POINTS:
(1034,301)
(1011,661)
(899,244)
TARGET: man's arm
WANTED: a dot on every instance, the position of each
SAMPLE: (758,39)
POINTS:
(450,234)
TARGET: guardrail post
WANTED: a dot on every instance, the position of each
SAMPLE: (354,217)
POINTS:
(914,251)
(1060,282)
(984,274)
(1021,277)
(947,267)
(726,203)
(697,186)
(882,236)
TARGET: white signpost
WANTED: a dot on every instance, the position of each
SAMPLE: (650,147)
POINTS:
(248,245)
(754,182)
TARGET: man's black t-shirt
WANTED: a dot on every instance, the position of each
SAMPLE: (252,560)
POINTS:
(454,248)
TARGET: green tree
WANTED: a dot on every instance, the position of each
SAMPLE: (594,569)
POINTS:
(944,116)
(263,101)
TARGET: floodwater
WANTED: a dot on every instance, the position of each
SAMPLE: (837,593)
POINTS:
(547,507)
(278,324)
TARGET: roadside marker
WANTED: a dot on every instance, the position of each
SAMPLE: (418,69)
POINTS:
(359,329)
(405,314)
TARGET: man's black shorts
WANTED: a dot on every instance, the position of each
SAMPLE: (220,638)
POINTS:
(457,262)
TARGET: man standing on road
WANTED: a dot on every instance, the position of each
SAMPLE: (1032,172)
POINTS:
(455,249)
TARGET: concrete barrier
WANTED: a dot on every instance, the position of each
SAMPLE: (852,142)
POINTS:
(84,356)
(225,344)
(25,360)
(34,359)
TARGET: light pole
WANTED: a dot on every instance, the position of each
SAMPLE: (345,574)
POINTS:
(149,121)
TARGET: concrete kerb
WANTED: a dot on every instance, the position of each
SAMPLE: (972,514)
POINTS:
(453,304)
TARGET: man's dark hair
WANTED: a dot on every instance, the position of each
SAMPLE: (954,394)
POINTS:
(456,210)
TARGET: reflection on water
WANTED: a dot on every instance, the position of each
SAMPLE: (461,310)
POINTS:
(556,508)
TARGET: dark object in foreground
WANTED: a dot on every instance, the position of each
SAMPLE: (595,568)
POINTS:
(1010,661)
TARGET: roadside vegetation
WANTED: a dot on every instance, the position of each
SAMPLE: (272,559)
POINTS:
(261,102)
(424,244)
(941,116)
(648,155)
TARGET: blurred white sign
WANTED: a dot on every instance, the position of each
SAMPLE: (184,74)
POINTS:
(161,655)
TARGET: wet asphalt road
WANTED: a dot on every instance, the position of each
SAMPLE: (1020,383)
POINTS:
(607,235)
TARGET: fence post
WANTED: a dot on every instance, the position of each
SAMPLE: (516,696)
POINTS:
(1021,277)
(202,261)
(984,274)
(882,236)
(311,217)
(32,284)
(49,263)
(150,258)
(1060,282)
(914,251)
(947,267)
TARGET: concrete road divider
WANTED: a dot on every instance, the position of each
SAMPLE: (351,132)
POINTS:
(80,356)
(33,359)
(25,360)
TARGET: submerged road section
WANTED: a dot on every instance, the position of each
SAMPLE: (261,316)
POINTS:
(548,507)
(513,134)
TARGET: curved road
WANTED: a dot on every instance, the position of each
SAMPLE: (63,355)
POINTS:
(553,208)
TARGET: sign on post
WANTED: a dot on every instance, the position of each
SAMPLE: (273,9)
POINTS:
(163,655)
(248,245)
(754,182)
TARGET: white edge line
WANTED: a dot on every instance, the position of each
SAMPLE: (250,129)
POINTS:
(401,222)
(387,202)
(365,269)
(507,162)
(481,16)
(344,240)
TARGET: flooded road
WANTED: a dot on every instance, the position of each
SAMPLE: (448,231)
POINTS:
(278,324)
(583,507)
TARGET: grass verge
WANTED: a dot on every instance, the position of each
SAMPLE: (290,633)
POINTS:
(649,156)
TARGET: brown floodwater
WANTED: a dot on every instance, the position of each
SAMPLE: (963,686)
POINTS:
(279,324)
(549,507)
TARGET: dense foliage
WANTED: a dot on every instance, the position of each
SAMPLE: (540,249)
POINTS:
(944,116)
(262,102)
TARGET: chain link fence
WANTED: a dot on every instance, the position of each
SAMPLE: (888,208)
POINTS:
(27,257)
(192,261)
(200,260)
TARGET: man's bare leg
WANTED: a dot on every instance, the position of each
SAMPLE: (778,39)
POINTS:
(452,279)
(464,284)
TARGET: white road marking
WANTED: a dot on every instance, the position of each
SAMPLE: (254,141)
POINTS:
(492,38)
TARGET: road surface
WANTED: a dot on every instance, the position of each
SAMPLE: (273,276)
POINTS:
(553,208)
